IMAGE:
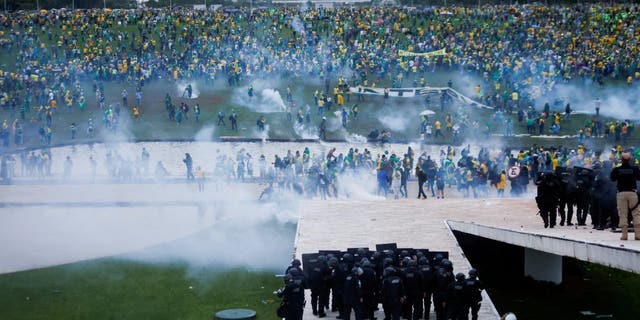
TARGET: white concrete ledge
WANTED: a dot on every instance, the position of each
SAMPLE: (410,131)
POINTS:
(616,257)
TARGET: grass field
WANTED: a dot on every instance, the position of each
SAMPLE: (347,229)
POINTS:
(114,288)
(190,278)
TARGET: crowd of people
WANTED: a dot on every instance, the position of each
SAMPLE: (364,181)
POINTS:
(520,50)
(404,283)
(514,44)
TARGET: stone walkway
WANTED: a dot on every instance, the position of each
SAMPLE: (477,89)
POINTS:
(338,225)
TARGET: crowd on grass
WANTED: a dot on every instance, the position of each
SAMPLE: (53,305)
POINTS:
(521,51)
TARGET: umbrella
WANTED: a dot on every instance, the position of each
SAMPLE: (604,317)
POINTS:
(427,112)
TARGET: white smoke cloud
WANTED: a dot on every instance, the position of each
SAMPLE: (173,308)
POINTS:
(181,86)
(396,121)
(266,100)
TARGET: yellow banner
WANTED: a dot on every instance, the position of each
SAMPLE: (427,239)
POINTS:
(440,52)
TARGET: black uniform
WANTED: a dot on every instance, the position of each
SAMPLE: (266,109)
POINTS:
(603,199)
(336,279)
(293,298)
(444,277)
(369,280)
(584,180)
(392,295)
(474,289)
(427,274)
(549,187)
(319,285)
(457,298)
(568,195)
(352,296)
(412,278)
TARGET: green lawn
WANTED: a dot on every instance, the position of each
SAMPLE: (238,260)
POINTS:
(114,288)
(399,115)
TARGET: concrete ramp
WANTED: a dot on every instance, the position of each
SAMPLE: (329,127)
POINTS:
(337,225)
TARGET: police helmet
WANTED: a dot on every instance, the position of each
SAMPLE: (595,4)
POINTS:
(412,263)
(333,261)
(460,276)
(377,254)
(473,273)
(347,257)
(322,258)
(387,262)
(447,265)
(365,263)
(423,261)
(296,263)
(294,272)
(357,271)
(389,271)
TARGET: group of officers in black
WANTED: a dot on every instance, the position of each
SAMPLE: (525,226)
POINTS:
(405,284)
(606,192)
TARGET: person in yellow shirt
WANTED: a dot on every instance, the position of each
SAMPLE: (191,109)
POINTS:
(555,162)
(502,183)
(136,113)
(438,127)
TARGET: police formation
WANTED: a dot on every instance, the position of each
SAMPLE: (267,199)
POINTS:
(405,285)
(605,192)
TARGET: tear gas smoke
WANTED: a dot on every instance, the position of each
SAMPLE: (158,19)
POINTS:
(306,131)
(252,235)
(205,134)
(266,101)
(181,87)
(616,102)
(396,121)
(273,97)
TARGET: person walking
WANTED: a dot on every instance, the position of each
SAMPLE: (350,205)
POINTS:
(422,178)
(200,176)
(188,162)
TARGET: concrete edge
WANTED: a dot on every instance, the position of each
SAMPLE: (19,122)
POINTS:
(485,295)
(611,256)
(295,253)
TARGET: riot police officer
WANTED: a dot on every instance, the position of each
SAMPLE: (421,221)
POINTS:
(369,280)
(603,198)
(352,296)
(457,299)
(474,289)
(292,295)
(444,277)
(412,279)
(319,285)
(336,280)
(547,198)
(428,281)
(568,195)
(584,180)
(392,294)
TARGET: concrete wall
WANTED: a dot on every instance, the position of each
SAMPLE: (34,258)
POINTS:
(543,266)
(615,257)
